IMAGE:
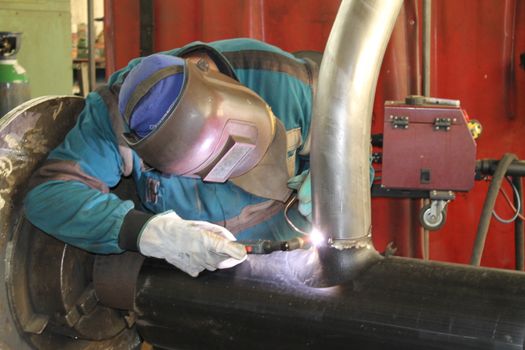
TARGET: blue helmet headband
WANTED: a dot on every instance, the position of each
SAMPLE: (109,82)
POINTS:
(145,110)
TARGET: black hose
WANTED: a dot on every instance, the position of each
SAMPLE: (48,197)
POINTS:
(488,167)
(519,236)
(488,207)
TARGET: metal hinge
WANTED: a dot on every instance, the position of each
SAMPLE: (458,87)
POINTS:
(399,122)
(443,124)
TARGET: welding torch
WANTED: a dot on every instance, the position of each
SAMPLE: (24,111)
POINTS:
(267,246)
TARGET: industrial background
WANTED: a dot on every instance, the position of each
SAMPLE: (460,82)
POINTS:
(477,56)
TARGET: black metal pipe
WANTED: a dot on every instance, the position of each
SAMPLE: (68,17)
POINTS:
(489,166)
(398,303)
(115,278)
(519,234)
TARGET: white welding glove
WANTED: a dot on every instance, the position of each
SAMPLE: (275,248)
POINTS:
(192,246)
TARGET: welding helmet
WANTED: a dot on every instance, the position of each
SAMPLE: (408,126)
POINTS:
(188,120)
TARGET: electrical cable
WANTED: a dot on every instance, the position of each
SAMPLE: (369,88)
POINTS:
(488,206)
(516,210)
(289,203)
(518,199)
(519,236)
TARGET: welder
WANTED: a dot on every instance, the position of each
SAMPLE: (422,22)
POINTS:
(211,133)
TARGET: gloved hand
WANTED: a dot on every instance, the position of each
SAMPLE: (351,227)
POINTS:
(192,246)
(303,185)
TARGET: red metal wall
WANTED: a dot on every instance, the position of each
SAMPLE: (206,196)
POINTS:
(292,25)
(475,58)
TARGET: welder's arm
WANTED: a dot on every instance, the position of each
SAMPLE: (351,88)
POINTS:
(78,215)
(69,196)
(102,223)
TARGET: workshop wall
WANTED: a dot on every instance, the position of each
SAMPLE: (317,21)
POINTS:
(476,45)
(292,25)
(475,58)
(476,52)
(46,42)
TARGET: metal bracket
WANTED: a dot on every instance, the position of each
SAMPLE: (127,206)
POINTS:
(399,122)
(86,303)
(441,195)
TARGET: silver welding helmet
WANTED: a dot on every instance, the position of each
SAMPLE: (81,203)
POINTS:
(199,122)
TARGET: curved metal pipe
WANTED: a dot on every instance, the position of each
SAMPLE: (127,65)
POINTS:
(342,119)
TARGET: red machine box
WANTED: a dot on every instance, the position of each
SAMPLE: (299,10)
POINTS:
(427,145)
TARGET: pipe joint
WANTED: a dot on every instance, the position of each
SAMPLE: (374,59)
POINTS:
(341,265)
(343,244)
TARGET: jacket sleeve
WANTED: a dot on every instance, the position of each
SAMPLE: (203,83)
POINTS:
(70,196)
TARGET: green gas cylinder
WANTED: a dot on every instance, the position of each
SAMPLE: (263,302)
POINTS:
(14,85)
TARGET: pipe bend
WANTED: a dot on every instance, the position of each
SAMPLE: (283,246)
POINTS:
(342,118)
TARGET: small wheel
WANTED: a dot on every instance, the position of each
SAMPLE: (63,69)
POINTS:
(431,221)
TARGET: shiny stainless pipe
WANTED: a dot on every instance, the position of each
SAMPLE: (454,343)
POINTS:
(342,119)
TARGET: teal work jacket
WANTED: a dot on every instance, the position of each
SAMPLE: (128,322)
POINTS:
(72,198)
